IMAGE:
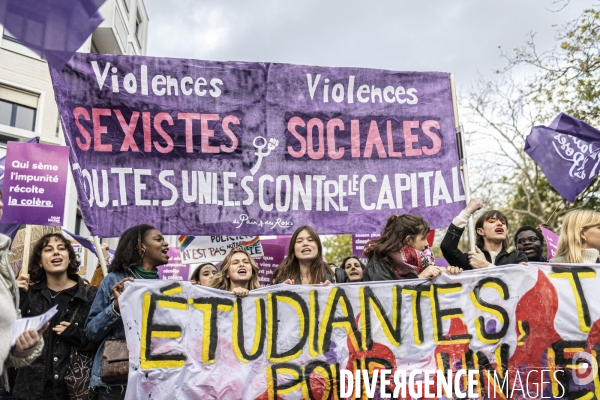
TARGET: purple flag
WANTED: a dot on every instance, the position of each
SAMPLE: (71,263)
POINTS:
(551,241)
(11,230)
(232,148)
(88,244)
(568,152)
(54,29)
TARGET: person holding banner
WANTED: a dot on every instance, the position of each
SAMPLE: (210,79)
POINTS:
(304,263)
(397,254)
(354,268)
(53,267)
(141,250)
(579,238)
(491,240)
(239,273)
(203,275)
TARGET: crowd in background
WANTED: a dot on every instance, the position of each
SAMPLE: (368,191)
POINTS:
(88,321)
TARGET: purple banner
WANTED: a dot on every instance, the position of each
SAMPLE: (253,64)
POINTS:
(274,255)
(174,270)
(568,151)
(205,148)
(10,230)
(35,181)
(359,240)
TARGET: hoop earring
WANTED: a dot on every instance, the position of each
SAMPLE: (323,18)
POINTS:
(142,255)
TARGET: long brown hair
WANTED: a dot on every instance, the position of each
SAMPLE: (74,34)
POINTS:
(223,281)
(395,234)
(290,267)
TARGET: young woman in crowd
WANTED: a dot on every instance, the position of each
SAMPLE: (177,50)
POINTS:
(397,254)
(239,274)
(354,268)
(304,263)
(29,344)
(579,238)
(203,274)
(141,250)
(491,231)
(53,270)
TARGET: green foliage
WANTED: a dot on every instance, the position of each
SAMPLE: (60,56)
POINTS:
(337,247)
(566,79)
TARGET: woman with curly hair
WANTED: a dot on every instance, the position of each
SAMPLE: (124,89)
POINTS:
(304,263)
(397,254)
(53,270)
(141,250)
(239,274)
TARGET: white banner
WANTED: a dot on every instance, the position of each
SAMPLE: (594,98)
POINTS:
(199,249)
(292,342)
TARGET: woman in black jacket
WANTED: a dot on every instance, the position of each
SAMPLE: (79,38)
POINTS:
(491,231)
(53,270)
(397,254)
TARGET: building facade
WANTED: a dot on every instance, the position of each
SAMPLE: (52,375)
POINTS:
(27,105)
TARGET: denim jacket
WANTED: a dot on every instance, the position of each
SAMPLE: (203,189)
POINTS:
(104,322)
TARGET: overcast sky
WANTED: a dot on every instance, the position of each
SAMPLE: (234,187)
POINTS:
(458,36)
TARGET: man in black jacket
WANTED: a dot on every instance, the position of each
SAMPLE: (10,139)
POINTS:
(531,242)
(491,231)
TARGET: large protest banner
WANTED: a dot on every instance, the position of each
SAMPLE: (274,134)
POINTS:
(233,148)
(525,323)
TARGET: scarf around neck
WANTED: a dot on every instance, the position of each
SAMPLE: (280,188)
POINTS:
(406,261)
(141,273)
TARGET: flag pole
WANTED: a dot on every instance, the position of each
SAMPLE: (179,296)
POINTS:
(26,250)
(100,255)
(554,212)
(460,143)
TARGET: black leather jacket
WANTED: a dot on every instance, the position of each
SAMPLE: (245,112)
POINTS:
(381,271)
(457,258)
(31,380)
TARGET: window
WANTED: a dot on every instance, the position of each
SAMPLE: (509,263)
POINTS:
(17,108)
(126,4)
(9,42)
(138,28)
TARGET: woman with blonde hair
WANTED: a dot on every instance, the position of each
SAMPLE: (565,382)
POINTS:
(239,273)
(579,238)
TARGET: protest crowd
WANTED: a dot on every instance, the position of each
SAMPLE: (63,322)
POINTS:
(88,321)
(161,146)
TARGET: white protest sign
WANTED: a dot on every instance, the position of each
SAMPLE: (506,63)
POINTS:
(199,249)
